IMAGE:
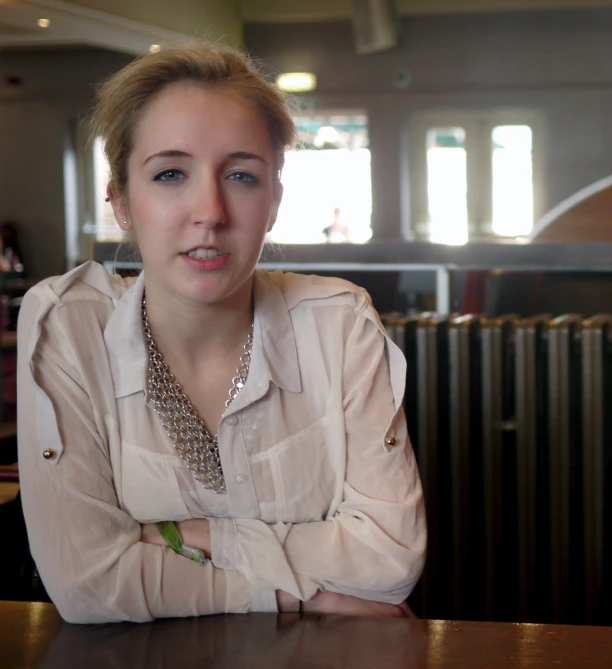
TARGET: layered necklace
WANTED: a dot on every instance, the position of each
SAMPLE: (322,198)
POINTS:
(186,430)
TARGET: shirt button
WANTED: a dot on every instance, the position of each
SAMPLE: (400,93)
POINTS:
(241,478)
(49,454)
(232,420)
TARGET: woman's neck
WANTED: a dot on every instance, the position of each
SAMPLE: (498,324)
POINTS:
(191,330)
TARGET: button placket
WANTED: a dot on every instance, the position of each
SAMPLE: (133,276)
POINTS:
(234,450)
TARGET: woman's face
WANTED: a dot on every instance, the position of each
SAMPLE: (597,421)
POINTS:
(202,192)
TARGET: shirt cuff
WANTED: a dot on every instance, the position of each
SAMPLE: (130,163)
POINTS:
(223,540)
(237,594)
(223,549)
(263,601)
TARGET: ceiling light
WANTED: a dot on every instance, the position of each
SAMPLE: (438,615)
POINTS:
(154,48)
(297,82)
(44,23)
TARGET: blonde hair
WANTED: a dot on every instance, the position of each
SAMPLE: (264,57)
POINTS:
(122,98)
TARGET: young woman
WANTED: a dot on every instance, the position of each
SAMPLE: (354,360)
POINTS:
(259,414)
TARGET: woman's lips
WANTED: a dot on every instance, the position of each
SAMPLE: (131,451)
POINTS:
(207,250)
(207,264)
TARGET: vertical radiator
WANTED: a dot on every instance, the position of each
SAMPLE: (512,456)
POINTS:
(511,421)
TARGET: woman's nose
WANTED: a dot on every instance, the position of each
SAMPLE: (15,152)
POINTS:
(210,209)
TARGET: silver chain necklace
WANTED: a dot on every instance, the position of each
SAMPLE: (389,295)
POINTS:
(186,430)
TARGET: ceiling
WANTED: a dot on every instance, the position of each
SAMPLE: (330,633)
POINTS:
(285,11)
(132,26)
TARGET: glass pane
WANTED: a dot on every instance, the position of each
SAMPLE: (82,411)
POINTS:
(106,227)
(447,185)
(512,180)
(327,184)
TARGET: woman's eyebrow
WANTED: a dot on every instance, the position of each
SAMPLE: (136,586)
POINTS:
(168,153)
(245,155)
(176,153)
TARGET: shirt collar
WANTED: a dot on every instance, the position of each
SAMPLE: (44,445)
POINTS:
(277,335)
(128,354)
(125,342)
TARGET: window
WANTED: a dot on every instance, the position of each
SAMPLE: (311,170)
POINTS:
(98,221)
(94,220)
(512,189)
(106,228)
(326,180)
(475,174)
(447,185)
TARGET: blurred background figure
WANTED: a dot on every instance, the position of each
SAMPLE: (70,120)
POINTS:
(337,231)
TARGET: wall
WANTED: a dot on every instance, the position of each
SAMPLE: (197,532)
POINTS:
(557,63)
(35,121)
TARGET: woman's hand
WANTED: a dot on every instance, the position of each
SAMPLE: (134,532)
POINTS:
(333,603)
(287,603)
(149,534)
(194,532)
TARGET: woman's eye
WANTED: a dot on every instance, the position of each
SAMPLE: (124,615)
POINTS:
(169,175)
(244,177)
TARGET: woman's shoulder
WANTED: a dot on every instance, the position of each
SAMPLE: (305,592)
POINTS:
(311,290)
(89,281)
(85,293)
(335,303)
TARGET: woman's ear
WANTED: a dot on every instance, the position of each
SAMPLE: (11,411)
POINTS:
(278,196)
(119,207)
(272,218)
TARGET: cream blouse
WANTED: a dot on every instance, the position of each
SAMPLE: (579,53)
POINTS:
(323,491)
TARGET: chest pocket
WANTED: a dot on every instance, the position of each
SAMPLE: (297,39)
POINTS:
(304,480)
(149,487)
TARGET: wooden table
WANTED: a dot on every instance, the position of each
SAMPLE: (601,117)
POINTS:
(33,635)
(9,484)
(9,473)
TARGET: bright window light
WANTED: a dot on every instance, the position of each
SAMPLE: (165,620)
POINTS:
(106,228)
(327,183)
(512,180)
(447,185)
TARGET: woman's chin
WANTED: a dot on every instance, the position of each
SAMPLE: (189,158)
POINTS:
(210,290)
